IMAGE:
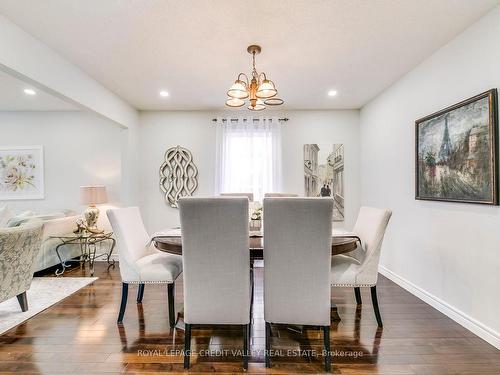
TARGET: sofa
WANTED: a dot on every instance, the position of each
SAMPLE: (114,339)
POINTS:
(56,223)
(47,257)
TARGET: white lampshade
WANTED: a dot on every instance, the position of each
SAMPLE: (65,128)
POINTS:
(266,89)
(238,90)
(259,106)
(234,102)
(90,195)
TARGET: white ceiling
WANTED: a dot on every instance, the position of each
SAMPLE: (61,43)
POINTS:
(13,98)
(195,48)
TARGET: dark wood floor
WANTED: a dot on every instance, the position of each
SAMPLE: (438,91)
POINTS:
(79,335)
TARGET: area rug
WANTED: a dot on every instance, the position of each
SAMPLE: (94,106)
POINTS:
(44,292)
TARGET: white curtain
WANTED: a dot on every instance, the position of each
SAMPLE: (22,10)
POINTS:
(248,156)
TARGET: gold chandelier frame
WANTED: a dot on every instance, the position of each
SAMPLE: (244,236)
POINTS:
(259,90)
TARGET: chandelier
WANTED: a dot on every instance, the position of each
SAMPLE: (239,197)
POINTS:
(259,91)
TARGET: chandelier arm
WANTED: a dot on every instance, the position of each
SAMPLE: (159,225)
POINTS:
(244,75)
(262,74)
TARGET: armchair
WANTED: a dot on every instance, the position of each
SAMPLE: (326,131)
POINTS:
(19,247)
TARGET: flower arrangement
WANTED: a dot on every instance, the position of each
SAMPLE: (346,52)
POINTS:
(255,217)
(256,213)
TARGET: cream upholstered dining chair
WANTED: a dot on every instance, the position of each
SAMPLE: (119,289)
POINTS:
(248,195)
(360,267)
(19,247)
(216,263)
(140,262)
(280,195)
(297,252)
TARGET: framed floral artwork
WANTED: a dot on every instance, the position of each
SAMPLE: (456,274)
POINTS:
(21,172)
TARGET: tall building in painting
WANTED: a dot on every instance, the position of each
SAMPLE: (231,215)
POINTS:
(311,179)
(336,161)
(445,150)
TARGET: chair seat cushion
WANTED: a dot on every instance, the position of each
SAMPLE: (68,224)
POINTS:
(159,267)
(344,270)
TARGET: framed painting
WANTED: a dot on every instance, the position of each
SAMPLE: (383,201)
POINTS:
(21,173)
(324,174)
(456,152)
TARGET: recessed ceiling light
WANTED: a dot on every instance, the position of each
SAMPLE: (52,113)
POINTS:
(164,93)
(29,92)
(332,92)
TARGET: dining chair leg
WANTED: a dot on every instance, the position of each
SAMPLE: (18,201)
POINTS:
(140,293)
(23,301)
(268,345)
(357,293)
(375,305)
(251,292)
(246,346)
(187,344)
(326,340)
(171,304)
(123,304)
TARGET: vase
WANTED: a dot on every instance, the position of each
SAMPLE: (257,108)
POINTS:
(255,225)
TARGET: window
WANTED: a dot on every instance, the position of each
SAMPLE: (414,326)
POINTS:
(248,156)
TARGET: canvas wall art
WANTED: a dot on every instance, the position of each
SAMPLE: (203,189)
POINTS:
(456,152)
(324,174)
(21,173)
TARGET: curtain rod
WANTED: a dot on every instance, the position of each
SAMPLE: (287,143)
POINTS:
(284,119)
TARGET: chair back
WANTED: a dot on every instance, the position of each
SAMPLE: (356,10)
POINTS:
(19,247)
(297,253)
(248,195)
(280,195)
(216,260)
(370,227)
(131,240)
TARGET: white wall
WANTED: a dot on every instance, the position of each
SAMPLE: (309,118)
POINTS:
(446,253)
(195,131)
(79,149)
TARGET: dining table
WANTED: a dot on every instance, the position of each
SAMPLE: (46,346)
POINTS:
(170,241)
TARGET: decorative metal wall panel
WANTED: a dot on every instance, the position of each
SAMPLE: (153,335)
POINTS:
(178,175)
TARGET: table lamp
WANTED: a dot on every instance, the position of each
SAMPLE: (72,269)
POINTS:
(92,195)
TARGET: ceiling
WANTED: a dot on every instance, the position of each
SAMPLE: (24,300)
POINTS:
(195,48)
(13,98)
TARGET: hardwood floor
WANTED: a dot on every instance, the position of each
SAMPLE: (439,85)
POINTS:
(79,335)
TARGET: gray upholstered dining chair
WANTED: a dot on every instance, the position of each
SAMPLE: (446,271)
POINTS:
(360,267)
(19,247)
(140,262)
(248,195)
(216,264)
(280,195)
(297,252)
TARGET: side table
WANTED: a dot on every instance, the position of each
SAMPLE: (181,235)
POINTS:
(89,244)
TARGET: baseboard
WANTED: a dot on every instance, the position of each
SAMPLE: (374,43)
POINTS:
(476,327)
